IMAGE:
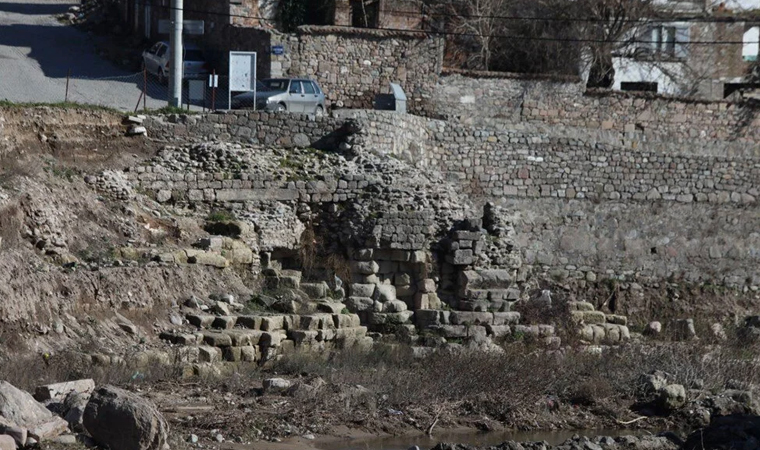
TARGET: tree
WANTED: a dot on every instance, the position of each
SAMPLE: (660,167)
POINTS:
(610,23)
(472,27)
(543,36)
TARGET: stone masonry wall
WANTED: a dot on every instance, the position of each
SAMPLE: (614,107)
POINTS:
(526,161)
(587,204)
(473,97)
(354,65)
(675,119)
(534,164)
(637,242)
(284,130)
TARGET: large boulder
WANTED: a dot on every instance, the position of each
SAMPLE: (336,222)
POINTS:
(20,408)
(21,416)
(122,420)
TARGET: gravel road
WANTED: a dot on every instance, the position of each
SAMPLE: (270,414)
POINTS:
(36,52)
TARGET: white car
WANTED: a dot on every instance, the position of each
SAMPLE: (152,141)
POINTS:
(156,61)
(298,95)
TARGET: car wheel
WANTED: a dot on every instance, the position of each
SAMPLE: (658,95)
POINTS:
(161,77)
(320,112)
(281,108)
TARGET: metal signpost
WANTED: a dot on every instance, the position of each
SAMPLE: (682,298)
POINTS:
(213,83)
(242,74)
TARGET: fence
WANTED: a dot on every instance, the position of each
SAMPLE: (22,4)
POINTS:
(140,91)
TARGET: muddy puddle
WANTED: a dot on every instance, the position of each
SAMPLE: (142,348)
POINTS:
(477,439)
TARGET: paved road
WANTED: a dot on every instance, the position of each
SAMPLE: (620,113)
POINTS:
(36,52)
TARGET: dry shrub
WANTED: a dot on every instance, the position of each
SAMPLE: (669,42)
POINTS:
(502,385)
(308,249)
(31,370)
(318,259)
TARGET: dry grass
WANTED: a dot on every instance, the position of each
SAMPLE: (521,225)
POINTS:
(30,371)
(499,385)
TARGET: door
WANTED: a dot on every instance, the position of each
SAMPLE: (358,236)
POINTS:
(295,97)
(310,97)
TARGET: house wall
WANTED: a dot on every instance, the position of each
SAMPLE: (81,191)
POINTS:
(394,14)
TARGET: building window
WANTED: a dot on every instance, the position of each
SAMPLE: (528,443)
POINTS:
(750,47)
(669,41)
(639,86)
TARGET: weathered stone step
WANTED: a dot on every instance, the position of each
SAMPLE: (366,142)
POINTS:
(426,318)
(606,333)
(276,322)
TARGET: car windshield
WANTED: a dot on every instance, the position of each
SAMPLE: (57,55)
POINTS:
(193,55)
(275,85)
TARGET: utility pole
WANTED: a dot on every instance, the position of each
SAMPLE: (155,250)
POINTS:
(175,66)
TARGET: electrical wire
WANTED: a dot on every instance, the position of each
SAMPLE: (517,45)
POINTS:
(478,35)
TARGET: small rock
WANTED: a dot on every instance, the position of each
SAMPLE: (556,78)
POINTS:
(59,391)
(309,436)
(672,397)
(219,438)
(66,439)
(136,130)
(193,439)
(683,329)
(275,385)
(653,328)
(221,308)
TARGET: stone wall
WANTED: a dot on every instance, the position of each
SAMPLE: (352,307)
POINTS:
(405,136)
(529,163)
(637,242)
(284,130)
(654,116)
(525,161)
(353,65)
(586,203)
(472,97)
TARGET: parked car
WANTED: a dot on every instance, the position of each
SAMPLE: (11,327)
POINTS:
(299,95)
(156,61)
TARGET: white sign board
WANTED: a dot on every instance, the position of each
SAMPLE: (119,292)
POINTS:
(213,81)
(188,26)
(242,74)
